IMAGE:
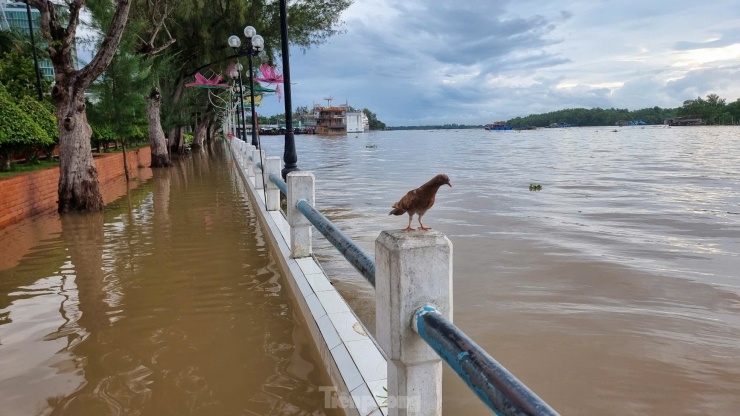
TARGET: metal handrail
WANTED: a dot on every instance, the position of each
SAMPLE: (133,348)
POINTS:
(490,381)
(499,390)
(357,257)
(280,183)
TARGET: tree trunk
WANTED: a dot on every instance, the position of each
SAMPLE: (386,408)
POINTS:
(160,156)
(5,156)
(199,136)
(176,143)
(78,178)
(125,161)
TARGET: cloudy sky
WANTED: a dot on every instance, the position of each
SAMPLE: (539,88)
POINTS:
(423,62)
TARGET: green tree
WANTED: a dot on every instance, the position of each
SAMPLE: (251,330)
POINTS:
(79,189)
(373,121)
(18,131)
(17,71)
(42,114)
(201,29)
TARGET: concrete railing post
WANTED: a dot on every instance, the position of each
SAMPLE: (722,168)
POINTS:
(248,151)
(273,164)
(300,186)
(413,269)
(258,156)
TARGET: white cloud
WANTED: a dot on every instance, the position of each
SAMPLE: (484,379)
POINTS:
(430,62)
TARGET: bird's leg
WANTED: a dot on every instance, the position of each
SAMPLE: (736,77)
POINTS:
(409,227)
(422,225)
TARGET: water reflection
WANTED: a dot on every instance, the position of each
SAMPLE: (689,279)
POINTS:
(169,302)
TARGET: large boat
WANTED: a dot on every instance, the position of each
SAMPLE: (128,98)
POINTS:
(332,121)
(499,125)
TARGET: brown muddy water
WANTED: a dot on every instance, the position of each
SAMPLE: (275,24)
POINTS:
(168,303)
(615,290)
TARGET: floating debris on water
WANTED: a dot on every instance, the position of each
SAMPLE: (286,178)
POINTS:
(535,187)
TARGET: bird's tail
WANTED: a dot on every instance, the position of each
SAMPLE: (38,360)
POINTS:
(397,211)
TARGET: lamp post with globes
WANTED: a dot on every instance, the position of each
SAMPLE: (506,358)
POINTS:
(237,75)
(255,45)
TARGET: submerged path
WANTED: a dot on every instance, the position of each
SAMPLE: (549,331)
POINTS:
(168,303)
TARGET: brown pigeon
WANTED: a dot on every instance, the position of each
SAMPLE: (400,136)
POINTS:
(419,200)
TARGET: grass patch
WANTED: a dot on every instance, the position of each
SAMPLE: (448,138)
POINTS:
(23,167)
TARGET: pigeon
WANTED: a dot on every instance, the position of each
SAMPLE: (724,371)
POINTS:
(419,200)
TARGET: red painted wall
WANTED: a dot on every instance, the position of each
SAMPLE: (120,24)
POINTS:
(28,194)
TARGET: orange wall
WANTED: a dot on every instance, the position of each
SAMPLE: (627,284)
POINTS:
(28,194)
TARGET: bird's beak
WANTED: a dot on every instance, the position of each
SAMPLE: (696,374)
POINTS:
(449,184)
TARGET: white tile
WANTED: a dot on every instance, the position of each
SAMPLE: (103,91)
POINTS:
(364,400)
(316,310)
(280,224)
(379,389)
(319,282)
(368,359)
(309,266)
(332,301)
(328,332)
(349,372)
(300,279)
(348,327)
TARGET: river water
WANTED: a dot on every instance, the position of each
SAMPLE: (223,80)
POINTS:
(613,290)
(168,303)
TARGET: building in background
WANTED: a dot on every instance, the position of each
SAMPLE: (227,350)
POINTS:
(14,16)
(357,122)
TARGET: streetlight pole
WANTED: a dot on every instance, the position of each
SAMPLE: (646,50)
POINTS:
(251,35)
(35,58)
(255,45)
(290,157)
(238,68)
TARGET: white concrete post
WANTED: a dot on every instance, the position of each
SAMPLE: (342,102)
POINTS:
(249,150)
(258,184)
(413,269)
(239,153)
(273,164)
(300,186)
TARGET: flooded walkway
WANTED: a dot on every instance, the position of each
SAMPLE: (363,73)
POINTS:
(168,303)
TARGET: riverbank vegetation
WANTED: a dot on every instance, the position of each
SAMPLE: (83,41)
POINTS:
(713,110)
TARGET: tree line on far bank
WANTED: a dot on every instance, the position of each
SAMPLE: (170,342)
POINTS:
(712,109)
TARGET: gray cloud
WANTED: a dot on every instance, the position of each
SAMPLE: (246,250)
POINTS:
(428,62)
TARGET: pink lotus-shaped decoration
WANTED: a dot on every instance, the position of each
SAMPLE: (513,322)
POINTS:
(270,76)
(201,81)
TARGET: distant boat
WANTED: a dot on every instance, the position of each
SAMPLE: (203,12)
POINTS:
(499,125)
(685,122)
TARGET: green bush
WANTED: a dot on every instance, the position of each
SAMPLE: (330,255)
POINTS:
(18,131)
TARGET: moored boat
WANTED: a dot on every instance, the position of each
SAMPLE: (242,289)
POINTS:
(499,125)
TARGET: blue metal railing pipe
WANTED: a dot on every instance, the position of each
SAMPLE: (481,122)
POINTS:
(357,257)
(280,183)
(490,381)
